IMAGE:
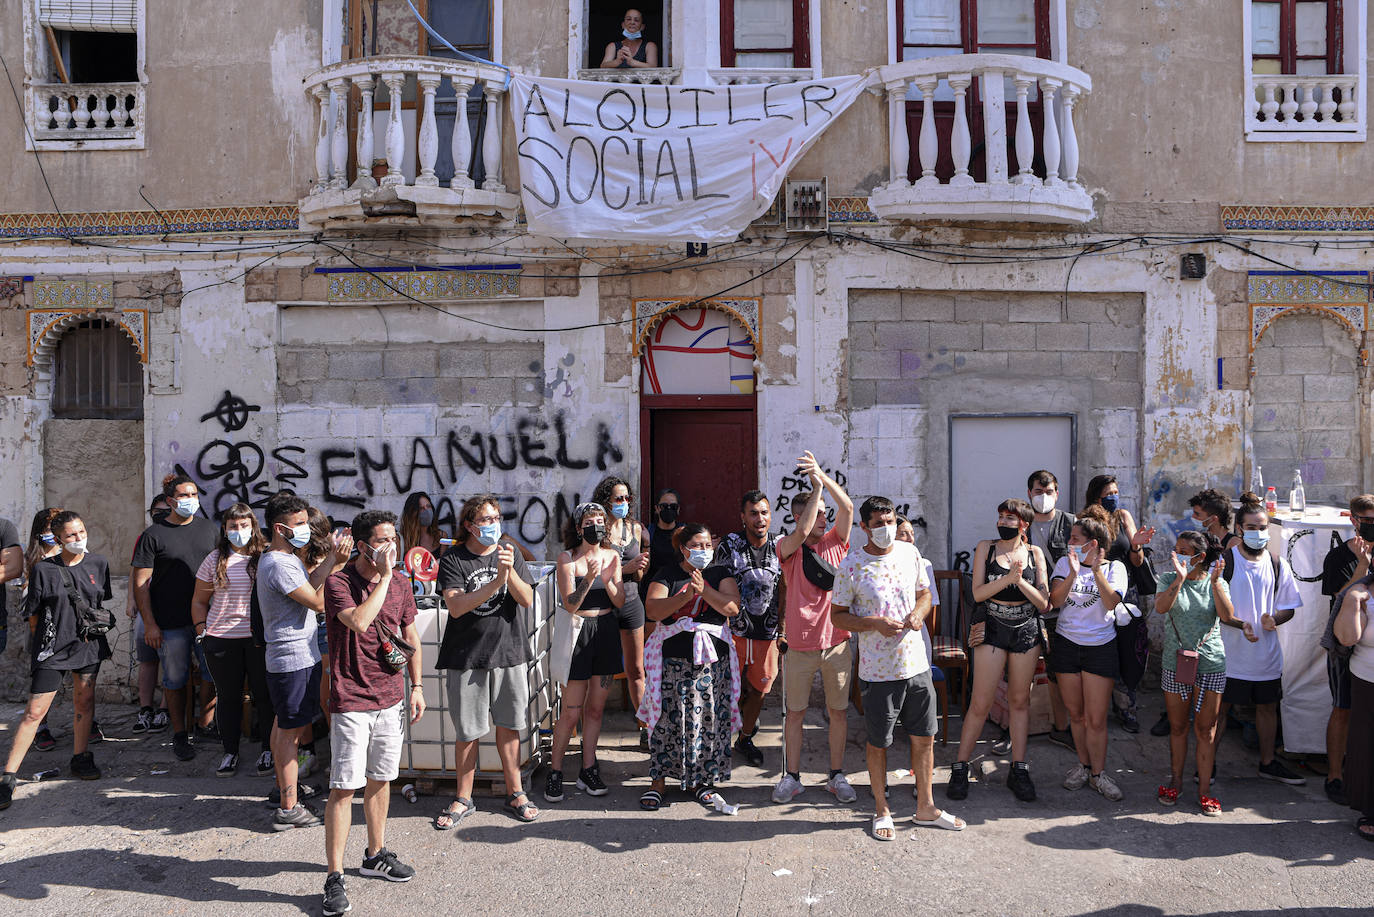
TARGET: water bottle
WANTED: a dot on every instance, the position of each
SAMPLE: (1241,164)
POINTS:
(1297,498)
(1271,500)
(1256,479)
(49,774)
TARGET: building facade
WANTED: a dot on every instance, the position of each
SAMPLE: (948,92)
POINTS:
(1055,233)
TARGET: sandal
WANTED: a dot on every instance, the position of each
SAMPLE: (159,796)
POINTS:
(465,809)
(525,811)
(884,823)
(1365,828)
(1210,805)
(946,821)
(651,800)
(1167,795)
(706,795)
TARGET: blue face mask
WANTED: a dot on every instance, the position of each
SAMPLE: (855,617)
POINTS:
(48,539)
(1111,502)
(1079,551)
(488,535)
(1255,541)
(620,510)
(300,535)
(187,507)
(631,35)
(699,558)
(239,538)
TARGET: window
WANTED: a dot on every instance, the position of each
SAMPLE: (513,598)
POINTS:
(765,33)
(97,374)
(1301,37)
(604,26)
(934,27)
(85,67)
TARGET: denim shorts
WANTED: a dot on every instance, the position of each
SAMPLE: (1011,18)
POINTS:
(142,651)
(175,656)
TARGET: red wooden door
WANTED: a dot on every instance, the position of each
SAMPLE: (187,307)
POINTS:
(707,454)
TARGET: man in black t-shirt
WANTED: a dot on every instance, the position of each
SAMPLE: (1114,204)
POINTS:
(58,647)
(485,652)
(1344,564)
(11,568)
(163,580)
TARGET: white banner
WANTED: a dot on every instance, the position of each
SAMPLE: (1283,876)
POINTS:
(632,162)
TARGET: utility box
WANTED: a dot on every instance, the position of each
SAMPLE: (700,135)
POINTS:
(806,205)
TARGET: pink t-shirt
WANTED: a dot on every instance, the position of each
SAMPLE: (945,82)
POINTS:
(808,608)
(230,606)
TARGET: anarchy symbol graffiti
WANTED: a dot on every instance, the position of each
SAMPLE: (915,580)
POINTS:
(232,412)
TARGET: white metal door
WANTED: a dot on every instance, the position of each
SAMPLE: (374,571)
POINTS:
(989,460)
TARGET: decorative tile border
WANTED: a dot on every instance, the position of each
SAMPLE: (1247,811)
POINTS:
(267,218)
(1272,293)
(11,287)
(46,327)
(850,210)
(650,312)
(396,286)
(73,294)
(1264,218)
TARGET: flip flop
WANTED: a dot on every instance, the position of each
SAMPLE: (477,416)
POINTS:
(945,821)
(1361,825)
(1209,805)
(881,823)
(651,800)
(1167,795)
(454,816)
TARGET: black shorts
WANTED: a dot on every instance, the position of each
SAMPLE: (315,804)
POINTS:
(597,651)
(631,614)
(887,703)
(1068,658)
(295,696)
(1245,693)
(46,681)
(1338,678)
(1017,637)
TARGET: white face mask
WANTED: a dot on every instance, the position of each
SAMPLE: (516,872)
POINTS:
(1043,503)
(187,507)
(883,536)
(239,538)
(75,547)
(699,557)
(300,535)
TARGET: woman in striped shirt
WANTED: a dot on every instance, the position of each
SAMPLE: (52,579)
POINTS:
(221,612)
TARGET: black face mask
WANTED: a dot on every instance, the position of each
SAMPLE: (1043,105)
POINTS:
(668,515)
(1366,531)
(593,533)
(1007,532)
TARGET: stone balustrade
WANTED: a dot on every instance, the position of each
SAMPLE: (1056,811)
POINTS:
(1006,190)
(336,198)
(87,111)
(1287,104)
(745,76)
(643,75)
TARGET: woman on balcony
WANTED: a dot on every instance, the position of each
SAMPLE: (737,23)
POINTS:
(632,50)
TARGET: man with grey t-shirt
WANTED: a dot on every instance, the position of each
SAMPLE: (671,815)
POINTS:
(290,598)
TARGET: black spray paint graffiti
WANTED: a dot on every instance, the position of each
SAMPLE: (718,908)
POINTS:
(232,412)
(794,483)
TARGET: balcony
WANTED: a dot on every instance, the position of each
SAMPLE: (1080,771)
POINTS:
(1287,107)
(439,134)
(87,116)
(644,75)
(971,114)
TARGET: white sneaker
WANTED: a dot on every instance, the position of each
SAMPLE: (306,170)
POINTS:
(1077,778)
(788,789)
(839,785)
(1106,786)
(305,764)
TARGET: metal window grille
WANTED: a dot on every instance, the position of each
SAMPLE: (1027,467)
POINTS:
(97,374)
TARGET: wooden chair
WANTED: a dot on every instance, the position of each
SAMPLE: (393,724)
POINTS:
(951,653)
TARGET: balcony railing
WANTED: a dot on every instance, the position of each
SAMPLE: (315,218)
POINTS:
(743,76)
(90,113)
(411,187)
(1041,185)
(644,75)
(1286,104)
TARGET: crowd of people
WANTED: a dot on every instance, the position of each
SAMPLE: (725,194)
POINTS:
(316,621)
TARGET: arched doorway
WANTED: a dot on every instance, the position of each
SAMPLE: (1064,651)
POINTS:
(1307,406)
(698,425)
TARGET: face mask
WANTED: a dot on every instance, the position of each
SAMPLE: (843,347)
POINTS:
(426,518)
(1080,551)
(620,510)
(187,507)
(883,536)
(300,535)
(1043,503)
(1007,532)
(239,538)
(1366,531)
(699,557)
(488,535)
(594,533)
(1111,502)
(631,35)
(669,515)
(1255,541)
(48,539)
(75,547)
(1188,560)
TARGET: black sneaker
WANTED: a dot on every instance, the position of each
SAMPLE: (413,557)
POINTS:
(957,788)
(1019,782)
(589,781)
(745,746)
(228,766)
(161,720)
(144,722)
(1335,791)
(265,766)
(7,783)
(299,817)
(207,733)
(335,898)
(386,865)
(1002,744)
(43,740)
(1128,721)
(1275,770)
(96,736)
(83,766)
(1161,727)
(182,747)
(1062,737)
(553,787)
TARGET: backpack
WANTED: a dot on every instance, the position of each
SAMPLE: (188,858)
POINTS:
(91,621)
(1229,569)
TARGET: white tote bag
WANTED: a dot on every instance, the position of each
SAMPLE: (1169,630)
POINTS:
(566,629)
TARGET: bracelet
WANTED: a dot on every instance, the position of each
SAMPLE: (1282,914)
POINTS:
(417,687)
